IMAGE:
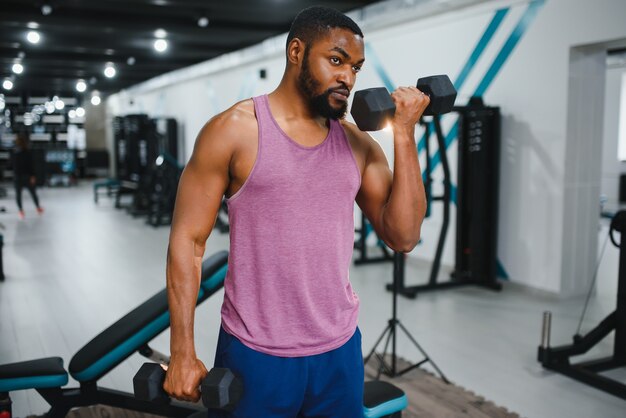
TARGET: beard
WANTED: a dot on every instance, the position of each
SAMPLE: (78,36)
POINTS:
(318,103)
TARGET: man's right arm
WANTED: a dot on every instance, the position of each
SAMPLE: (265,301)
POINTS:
(200,191)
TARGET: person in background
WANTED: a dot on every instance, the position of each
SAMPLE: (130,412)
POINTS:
(24,172)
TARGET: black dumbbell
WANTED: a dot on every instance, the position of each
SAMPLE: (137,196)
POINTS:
(372,108)
(221,389)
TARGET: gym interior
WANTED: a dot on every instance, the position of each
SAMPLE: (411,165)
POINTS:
(512,304)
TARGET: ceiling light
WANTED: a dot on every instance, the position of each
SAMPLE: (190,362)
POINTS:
(95,100)
(203,22)
(17,68)
(109,71)
(59,104)
(33,37)
(21,55)
(71,114)
(32,25)
(46,9)
(49,107)
(160,33)
(7,84)
(80,112)
(160,45)
(131,61)
(81,86)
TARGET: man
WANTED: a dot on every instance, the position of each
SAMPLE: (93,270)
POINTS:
(291,170)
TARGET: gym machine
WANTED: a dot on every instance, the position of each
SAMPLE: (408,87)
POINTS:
(161,190)
(146,154)
(361,245)
(588,372)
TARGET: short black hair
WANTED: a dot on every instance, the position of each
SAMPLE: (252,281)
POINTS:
(314,22)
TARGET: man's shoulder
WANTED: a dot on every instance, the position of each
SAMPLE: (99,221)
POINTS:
(358,139)
(232,124)
(240,113)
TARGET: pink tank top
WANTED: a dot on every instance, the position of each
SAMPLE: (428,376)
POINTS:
(287,290)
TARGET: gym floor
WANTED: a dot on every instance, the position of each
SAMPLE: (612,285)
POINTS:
(78,268)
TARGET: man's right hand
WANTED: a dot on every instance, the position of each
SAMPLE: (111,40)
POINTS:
(183,379)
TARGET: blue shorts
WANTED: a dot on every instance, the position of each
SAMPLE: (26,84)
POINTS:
(328,385)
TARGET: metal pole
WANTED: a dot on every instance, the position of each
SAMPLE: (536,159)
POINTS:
(545,330)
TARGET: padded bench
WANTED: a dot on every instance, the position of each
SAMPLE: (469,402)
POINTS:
(383,400)
(33,374)
(104,352)
(110,185)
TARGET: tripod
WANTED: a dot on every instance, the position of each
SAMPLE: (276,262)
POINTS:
(393,323)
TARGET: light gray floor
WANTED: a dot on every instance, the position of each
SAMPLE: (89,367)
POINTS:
(81,266)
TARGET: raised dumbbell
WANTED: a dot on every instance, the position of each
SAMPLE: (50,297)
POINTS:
(221,389)
(372,108)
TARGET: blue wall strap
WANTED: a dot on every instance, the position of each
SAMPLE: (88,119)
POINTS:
(378,66)
(519,30)
(472,60)
(528,16)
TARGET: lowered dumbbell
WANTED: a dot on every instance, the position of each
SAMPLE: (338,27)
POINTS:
(372,108)
(221,389)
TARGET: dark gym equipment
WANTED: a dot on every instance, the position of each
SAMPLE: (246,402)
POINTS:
(132,333)
(477,195)
(1,263)
(161,185)
(477,200)
(147,167)
(361,245)
(220,389)
(559,358)
(372,108)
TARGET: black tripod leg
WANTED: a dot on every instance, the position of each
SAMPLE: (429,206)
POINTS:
(419,347)
(381,359)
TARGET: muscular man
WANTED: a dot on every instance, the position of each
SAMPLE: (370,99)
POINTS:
(291,169)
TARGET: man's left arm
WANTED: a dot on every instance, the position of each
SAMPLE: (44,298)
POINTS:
(395,203)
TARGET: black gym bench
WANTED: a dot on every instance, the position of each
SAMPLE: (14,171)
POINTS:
(131,334)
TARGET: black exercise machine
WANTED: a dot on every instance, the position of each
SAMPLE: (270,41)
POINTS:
(559,358)
(361,245)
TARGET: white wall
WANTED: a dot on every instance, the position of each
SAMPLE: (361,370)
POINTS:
(612,167)
(438,37)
